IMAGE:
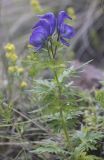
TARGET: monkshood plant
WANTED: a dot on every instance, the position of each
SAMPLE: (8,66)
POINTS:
(56,98)
(44,33)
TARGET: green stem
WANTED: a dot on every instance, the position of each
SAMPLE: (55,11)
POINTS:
(64,127)
(54,55)
(60,95)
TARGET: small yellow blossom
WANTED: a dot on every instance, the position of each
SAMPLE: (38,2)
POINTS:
(29,57)
(12,69)
(9,47)
(20,70)
(23,84)
(15,69)
(36,5)
(11,56)
(29,46)
(71,12)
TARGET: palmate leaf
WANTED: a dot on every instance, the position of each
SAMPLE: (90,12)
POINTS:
(81,155)
(66,73)
(49,147)
(87,139)
(42,87)
(55,122)
(99,95)
(50,103)
(47,91)
(45,83)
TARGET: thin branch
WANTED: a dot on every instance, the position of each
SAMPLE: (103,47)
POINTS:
(29,119)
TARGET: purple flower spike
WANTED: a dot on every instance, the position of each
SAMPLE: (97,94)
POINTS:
(44,28)
(65,31)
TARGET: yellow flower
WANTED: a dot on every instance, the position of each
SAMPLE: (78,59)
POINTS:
(30,46)
(20,70)
(29,57)
(12,69)
(71,12)
(9,47)
(11,56)
(23,84)
(15,69)
(36,5)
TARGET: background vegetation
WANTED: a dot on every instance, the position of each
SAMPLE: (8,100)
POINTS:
(32,123)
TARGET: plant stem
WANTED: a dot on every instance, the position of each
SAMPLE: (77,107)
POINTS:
(64,127)
(60,95)
(54,55)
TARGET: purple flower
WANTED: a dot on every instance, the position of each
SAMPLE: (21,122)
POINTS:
(50,17)
(44,28)
(65,31)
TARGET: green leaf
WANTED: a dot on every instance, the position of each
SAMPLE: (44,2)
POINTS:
(99,95)
(49,147)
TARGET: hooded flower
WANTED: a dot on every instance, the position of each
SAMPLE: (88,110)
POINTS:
(50,17)
(65,31)
(44,28)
